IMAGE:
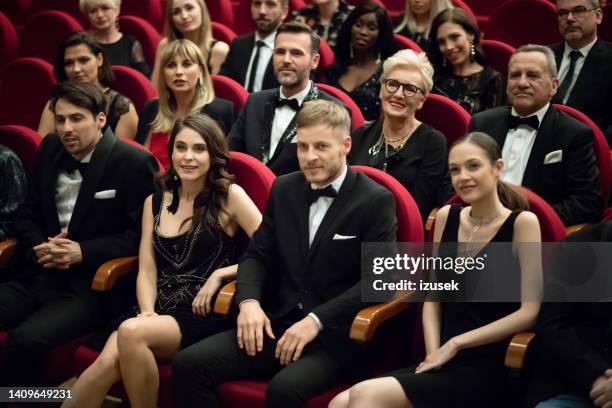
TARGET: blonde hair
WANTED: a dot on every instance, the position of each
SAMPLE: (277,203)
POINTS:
(322,112)
(84,4)
(204,93)
(410,20)
(410,60)
(204,36)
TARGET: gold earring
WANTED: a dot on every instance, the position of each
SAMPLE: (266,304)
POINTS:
(472,52)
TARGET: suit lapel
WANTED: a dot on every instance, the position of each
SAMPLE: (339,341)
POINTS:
(266,132)
(92,178)
(49,185)
(588,73)
(244,64)
(499,129)
(543,140)
(332,213)
(303,220)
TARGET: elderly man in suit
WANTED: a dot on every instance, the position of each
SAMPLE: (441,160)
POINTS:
(83,208)
(299,283)
(544,149)
(266,125)
(249,60)
(584,62)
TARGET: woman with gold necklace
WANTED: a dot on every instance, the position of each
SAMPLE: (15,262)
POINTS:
(399,144)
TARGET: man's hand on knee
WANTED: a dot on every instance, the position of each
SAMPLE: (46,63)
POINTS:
(289,348)
(252,321)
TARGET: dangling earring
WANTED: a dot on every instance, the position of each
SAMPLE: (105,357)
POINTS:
(472,52)
(444,61)
(378,58)
(351,53)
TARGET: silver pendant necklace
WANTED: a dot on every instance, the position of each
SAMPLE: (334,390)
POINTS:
(476,223)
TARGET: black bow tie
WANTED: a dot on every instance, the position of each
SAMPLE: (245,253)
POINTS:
(314,194)
(70,164)
(531,121)
(292,103)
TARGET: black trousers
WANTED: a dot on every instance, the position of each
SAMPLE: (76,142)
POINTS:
(39,315)
(197,370)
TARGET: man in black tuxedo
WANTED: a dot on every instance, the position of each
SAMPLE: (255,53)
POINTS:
(83,208)
(571,356)
(543,148)
(249,60)
(584,62)
(266,124)
(299,283)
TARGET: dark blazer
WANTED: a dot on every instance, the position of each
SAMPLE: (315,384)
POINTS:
(254,126)
(104,228)
(237,62)
(221,110)
(421,164)
(281,271)
(573,343)
(569,186)
(592,90)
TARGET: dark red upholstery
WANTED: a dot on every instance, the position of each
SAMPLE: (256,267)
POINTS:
(134,85)
(406,43)
(357,119)
(465,7)
(138,145)
(25,88)
(24,142)
(149,10)
(327,59)
(256,179)
(498,54)
(519,22)
(551,225)
(222,33)
(607,215)
(222,12)
(44,33)
(445,115)
(144,32)
(16,10)
(8,40)
(601,148)
(483,10)
(68,7)
(252,394)
(605,28)
(231,90)
(243,21)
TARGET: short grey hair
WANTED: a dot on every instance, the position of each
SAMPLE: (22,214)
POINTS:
(550,57)
(84,4)
(594,3)
(410,59)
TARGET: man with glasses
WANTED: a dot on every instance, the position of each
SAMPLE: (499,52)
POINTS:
(584,62)
(265,128)
(543,148)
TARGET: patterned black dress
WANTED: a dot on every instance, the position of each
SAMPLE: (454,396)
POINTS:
(184,262)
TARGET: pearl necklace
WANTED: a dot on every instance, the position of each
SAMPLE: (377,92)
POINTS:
(476,223)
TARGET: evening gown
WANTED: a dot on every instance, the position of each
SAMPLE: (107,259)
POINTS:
(184,262)
(474,377)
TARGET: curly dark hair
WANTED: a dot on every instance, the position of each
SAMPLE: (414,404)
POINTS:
(385,44)
(210,202)
(461,18)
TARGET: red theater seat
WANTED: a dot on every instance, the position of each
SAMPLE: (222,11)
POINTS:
(231,90)
(498,55)
(222,33)
(445,115)
(8,40)
(145,33)
(24,142)
(149,10)
(134,85)
(357,119)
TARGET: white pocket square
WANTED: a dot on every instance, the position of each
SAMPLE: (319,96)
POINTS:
(341,237)
(105,194)
(553,157)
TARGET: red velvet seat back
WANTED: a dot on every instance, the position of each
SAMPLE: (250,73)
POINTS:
(24,142)
(146,34)
(231,90)
(8,40)
(133,85)
(148,10)
(357,119)
(498,55)
(445,115)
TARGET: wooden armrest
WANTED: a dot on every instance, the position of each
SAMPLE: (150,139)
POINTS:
(7,250)
(368,319)
(225,299)
(517,349)
(430,219)
(574,228)
(110,271)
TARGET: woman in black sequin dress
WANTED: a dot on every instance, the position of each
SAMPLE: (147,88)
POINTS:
(187,249)
(466,341)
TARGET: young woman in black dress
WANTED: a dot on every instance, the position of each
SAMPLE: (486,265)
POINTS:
(187,249)
(466,341)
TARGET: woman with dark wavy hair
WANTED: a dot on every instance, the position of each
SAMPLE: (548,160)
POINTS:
(187,249)
(81,59)
(462,72)
(364,43)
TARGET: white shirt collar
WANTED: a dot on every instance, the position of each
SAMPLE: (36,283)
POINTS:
(584,50)
(539,113)
(87,158)
(268,40)
(300,96)
(336,184)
